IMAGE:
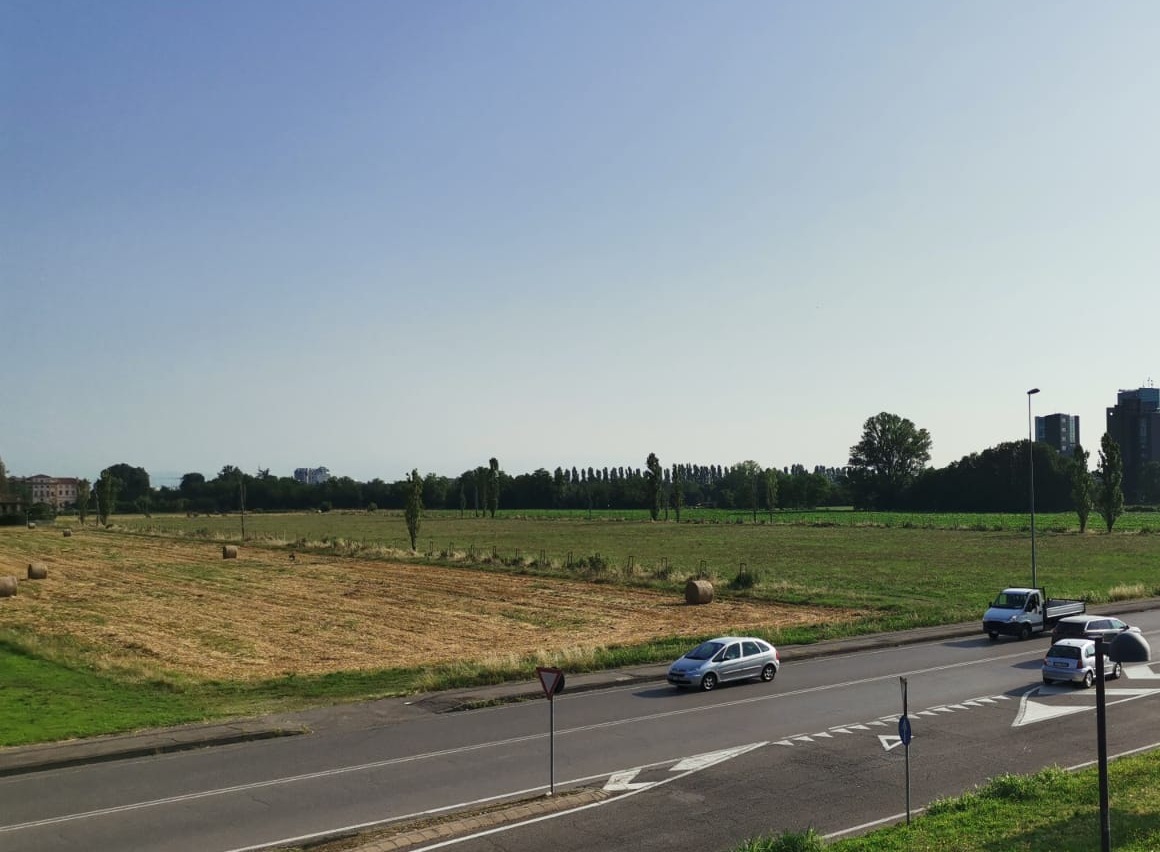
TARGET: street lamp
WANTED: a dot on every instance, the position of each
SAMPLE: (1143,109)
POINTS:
(1031,465)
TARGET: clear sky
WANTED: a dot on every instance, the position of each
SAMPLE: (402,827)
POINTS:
(380,235)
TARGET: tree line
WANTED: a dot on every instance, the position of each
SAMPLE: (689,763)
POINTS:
(887,470)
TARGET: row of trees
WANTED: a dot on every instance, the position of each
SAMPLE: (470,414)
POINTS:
(887,470)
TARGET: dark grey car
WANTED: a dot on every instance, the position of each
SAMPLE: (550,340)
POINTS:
(1089,627)
(723,659)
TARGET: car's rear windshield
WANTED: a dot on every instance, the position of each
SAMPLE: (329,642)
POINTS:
(1068,652)
(1071,628)
(704,651)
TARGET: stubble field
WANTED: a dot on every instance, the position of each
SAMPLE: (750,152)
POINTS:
(175,606)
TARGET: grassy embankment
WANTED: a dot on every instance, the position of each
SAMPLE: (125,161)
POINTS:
(1050,811)
(873,572)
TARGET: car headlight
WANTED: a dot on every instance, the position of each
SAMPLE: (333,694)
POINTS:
(1013,618)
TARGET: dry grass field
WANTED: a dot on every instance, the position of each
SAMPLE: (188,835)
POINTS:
(176,606)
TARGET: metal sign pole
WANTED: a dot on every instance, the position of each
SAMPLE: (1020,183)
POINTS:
(552,680)
(1102,749)
(904,735)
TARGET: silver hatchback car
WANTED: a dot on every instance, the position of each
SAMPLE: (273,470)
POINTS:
(1074,661)
(723,659)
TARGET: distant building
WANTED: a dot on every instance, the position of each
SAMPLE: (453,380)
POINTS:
(1134,424)
(1058,430)
(56,491)
(311,475)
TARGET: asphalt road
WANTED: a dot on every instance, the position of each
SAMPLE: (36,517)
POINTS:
(695,771)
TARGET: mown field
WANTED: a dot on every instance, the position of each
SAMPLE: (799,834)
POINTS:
(922,569)
(145,624)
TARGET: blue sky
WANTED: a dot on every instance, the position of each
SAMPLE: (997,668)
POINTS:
(384,235)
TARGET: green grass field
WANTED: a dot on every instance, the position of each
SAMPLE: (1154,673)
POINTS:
(896,571)
(916,569)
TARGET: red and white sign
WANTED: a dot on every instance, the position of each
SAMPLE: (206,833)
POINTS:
(551,679)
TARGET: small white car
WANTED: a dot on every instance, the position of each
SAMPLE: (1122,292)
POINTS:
(1074,661)
(725,658)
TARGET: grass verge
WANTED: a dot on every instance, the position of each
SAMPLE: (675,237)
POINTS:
(1049,811)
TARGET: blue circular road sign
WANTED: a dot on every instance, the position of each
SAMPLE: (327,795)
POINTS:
(904,730)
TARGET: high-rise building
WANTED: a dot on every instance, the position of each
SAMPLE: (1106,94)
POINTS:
(1134,424)
(1058,430)
(312,475)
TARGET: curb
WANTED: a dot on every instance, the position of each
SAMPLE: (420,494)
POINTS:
(22,760)
(458,824)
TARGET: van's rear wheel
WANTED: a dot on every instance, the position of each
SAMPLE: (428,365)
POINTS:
(1117,670)
(1088,679)
(768,672)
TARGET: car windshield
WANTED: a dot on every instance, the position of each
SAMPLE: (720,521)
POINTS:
(1009,600)
(704,651)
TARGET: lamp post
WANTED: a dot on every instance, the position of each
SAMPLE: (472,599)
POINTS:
(1031,466)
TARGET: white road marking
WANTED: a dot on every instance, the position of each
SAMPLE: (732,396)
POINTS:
(704,761)
(623,781)
(1031,711)
(889,742)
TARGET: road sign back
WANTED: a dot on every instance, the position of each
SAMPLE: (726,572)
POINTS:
(551,679)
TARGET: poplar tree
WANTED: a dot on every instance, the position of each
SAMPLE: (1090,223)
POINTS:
(653,481)
(414,505)
(492,486)
(771,491)
(1110,495)
(107,488)
(1081,485)
(84,493)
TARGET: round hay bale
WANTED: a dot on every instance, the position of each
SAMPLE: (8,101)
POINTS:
(698,592)
(67,533)
(229,551)
(32,525)
(37,571)
(7,587)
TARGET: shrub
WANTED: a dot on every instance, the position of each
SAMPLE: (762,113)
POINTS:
(1126,592)
(745,579)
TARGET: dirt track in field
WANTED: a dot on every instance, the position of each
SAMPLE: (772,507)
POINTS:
(178,606)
